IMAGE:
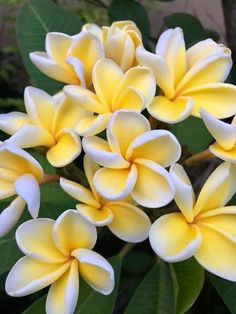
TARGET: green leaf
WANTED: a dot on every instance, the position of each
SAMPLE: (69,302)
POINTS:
(35,20)
(130,10)
(226,290)
(155,294)
(189,277)
(192,27)
(9,253)
(144,261)
(193,133)
(94,302)
(38,307)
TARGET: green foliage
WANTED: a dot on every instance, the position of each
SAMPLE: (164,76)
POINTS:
(35,20)
(189,277)
(155,294)
(192,133)
(9,253)
(38,307)
(130,10)
(192,27)
(226,290)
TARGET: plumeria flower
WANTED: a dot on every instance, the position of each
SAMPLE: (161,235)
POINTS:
(125,220)
(119,41)
(189,79)
(224,134)
(49,123)
(133,160)
(20,176)
(57,253)
(204,228)
(69,59)
(114,90)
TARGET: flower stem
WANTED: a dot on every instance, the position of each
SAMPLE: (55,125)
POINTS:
(126,249)
(197,158)
(48,178)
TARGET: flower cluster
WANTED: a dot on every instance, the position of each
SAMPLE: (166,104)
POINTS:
(112,87)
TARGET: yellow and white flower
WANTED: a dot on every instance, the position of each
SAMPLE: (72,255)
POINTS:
(224,134)
(133,160)
(69,59)
(48,122)
(189,79)
(125,220)
(204,228)
(119,41)
(20,174)
(57,253)
(114,90)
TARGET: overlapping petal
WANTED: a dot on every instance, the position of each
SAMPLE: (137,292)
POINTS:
(147,146)
(34,238)
(11,215)
(153,187)
(173,239)
(129,223)
(95,270)
(217,190)
(63,293)
(13,121)
(169,111)
(98,216)
(39,275)
(71,231)
(224,133)
(122,183)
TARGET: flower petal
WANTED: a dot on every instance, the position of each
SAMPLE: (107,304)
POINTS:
(129,223)
(184,194)
(6,189)
(227,155)
(78,69)
(217,254)
(146,145)
(106,77)
(217,190)
(29,275)
(90,168)
(40,107)
(159,67)
(154,187)
(217,98)
(173,239)
(88,49)
(171,46)
(224,133)
(132,99)
(57,72)
(63,293)
(10,215)
(119,132)
(95,270)
(18,160)
(92,124)
(11,122)
(31,135)
(34,238)
(99,151)
(67,148)
(211,69)
(115,184)
(202,49)
(72,231)
(67,115)
(97,216)
(27,187)
(85,99)
(168,111)
(79,192)
(140,78)
(57,45)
